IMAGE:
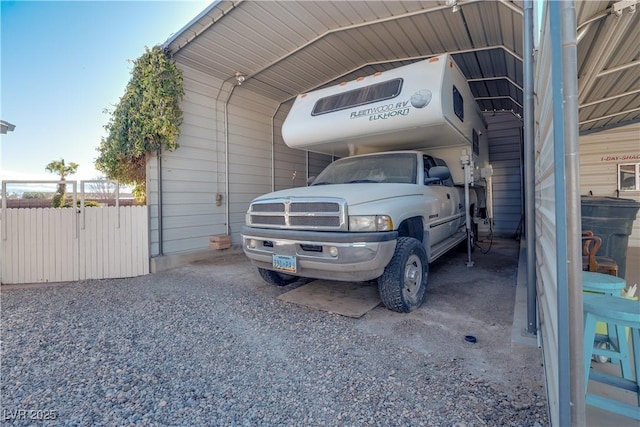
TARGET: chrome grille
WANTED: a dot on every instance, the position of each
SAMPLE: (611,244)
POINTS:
(299,213)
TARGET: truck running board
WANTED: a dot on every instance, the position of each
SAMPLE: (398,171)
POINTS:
(443,247)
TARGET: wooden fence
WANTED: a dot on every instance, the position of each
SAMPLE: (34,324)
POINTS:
(64,244)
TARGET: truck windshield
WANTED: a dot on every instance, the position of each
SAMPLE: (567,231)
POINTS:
(388,168)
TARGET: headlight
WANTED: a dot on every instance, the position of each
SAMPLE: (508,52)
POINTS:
(370,223)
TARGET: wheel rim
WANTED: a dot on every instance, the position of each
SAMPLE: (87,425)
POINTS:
(412,278)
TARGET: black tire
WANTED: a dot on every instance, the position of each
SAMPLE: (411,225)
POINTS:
(403,284)
(275,278)
(474,236)
(462,246)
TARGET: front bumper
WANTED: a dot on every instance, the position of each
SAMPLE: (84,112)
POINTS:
(322,255)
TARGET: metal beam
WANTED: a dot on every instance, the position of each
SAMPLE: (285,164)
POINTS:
(614,30)
(610,98)
(634,63)
(608,116)
(489,98)
(485,79)
(411,58)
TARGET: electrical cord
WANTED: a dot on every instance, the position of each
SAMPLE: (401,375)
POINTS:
(484,252)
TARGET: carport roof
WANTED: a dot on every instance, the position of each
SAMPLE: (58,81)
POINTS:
(285,48)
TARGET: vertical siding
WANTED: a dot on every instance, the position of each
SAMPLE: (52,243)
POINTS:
(546,277)
(505,148)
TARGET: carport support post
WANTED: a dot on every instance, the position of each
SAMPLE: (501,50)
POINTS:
(564,82)
(529,167)
(574,223)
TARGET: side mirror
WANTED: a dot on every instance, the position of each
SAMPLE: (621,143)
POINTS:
(440,172)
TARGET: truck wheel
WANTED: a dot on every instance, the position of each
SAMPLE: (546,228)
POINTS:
(403,284)
(275,278)
(474,237)
(462,246)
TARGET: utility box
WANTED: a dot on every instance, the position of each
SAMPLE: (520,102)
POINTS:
(611,219)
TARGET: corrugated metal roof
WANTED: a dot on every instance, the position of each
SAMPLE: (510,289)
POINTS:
(287,47)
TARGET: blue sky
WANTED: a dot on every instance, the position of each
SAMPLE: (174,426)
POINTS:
(62,64)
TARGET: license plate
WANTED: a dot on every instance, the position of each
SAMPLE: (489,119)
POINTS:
(285,263)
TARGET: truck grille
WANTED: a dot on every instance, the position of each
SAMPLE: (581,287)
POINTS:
(299,213)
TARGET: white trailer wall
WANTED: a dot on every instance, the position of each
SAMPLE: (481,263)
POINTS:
(600,155)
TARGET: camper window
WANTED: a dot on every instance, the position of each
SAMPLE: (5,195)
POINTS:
(458,104)
(357,97)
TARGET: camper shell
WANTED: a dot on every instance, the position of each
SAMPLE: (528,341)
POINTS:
(426,106)
(406,190)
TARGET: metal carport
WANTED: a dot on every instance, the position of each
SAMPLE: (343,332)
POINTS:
(245,61)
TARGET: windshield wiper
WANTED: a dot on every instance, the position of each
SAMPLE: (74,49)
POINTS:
(359,181)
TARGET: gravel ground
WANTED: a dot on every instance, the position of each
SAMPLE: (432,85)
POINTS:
(208,344)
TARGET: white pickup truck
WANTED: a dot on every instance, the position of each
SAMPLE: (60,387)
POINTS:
(383,215)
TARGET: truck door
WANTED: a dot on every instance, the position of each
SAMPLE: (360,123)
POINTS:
(442,216)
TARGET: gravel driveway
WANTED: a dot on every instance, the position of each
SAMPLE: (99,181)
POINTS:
(209,344)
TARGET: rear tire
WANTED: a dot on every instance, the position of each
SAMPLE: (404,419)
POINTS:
(403,284)
(462,246)
(275,278)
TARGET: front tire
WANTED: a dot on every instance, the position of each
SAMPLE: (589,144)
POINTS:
(275,278)
(403,284)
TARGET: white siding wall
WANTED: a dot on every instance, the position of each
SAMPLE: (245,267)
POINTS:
(250,150)
(191,175)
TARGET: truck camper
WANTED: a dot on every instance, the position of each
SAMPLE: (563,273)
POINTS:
(406,190)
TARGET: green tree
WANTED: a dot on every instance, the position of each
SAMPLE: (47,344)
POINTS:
(61,168)
(146,119)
